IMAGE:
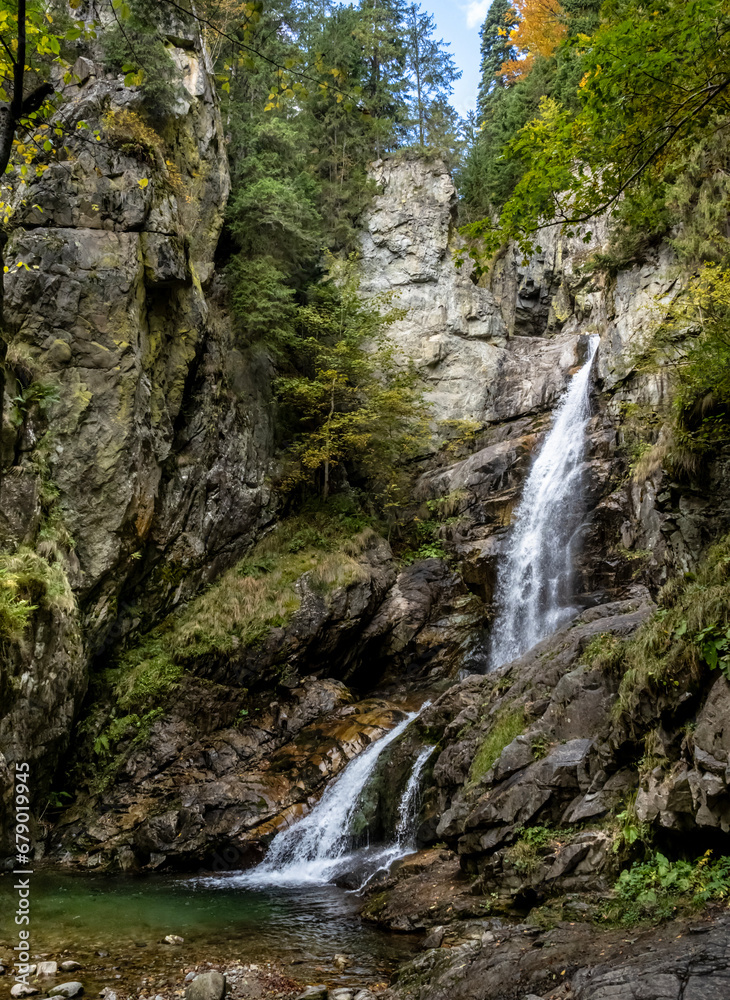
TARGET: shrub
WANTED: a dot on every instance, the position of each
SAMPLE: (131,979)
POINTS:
(658,889)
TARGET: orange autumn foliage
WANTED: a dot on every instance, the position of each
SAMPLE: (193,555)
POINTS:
(541,28)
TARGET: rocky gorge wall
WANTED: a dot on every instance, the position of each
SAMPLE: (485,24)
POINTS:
(141,472)
(144,475)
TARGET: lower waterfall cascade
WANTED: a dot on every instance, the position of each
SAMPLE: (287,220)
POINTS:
(315,850)
(534,585)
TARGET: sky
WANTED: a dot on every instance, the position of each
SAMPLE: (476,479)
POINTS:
(459,22)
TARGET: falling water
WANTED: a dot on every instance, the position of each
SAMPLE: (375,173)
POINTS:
(315,850)
(405,829)
(534,584)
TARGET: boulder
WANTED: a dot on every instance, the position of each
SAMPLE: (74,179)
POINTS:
(207,986)
(71,989)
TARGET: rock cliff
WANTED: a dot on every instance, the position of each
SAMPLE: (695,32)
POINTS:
(143,475)
(136,436)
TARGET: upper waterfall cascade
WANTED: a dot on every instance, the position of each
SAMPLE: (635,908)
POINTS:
(534,586)
(318,848)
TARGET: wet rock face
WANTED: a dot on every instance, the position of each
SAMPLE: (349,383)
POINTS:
(554,764)
(217,798)
(207,780)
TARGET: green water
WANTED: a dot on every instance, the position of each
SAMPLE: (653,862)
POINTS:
(77,916)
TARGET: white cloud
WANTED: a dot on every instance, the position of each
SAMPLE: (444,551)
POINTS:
(476,11)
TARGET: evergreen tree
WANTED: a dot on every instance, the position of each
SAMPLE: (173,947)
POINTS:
(432,74)
(496,49)
(273,213)
(380,30)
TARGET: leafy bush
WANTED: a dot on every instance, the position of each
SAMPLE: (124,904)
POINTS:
(658,889)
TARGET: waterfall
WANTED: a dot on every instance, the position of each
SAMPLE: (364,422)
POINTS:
(534,585)
(405,830)
(315,850)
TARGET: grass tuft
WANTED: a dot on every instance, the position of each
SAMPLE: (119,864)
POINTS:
(29,581)
(507,726)
(669,648)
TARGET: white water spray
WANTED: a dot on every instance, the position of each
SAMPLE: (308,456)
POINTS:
(405,830)
(315,850)
(534,586)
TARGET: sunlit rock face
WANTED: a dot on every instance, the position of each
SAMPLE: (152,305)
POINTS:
(455,331)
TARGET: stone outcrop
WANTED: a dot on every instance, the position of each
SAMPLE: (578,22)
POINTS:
(520,961)
(136,436)
(213,794)
(454,330)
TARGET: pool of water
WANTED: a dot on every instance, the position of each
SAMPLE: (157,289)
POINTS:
(299,929)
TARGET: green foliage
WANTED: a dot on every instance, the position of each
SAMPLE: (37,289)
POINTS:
(604,652)
(631,830)
(492,170)
(245,603)
(353,401)
(507,725)
(135,46)
(669,649)
(433,72)
(692,344)
(301,146)
(496,48)
(649,86)
(29,581)
(533,843)
(37,394)
(714,645)
(659,889)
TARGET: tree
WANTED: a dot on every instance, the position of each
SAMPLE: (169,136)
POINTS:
(497,48)
(379,28)
(654,82)
(541,27)
(353,402)
(432,71)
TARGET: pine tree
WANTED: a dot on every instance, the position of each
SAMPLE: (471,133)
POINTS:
(380,29)
(496,49)
(432,73)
